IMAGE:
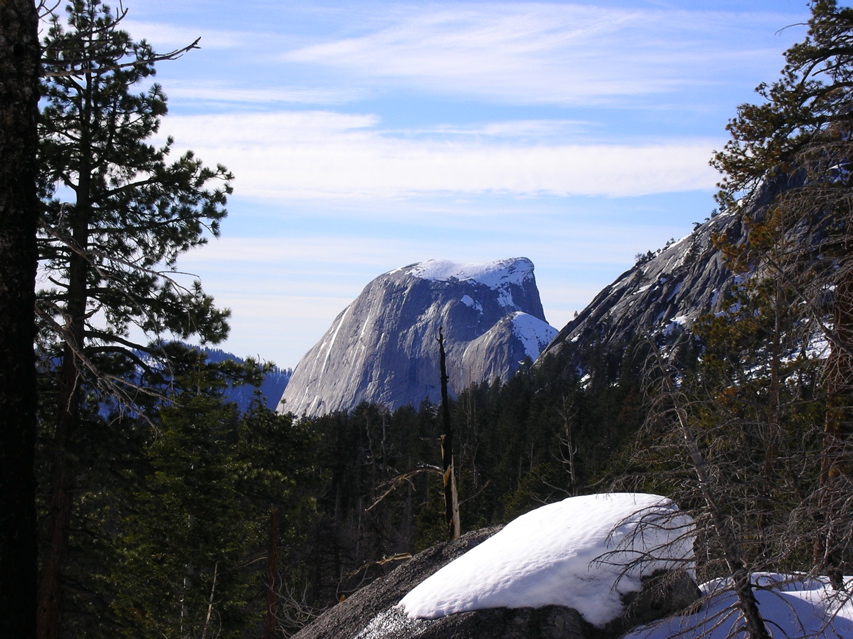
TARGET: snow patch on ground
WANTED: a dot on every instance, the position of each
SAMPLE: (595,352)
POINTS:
(494,274)
(791,606)
(819,347)
(573,553)
(534,334)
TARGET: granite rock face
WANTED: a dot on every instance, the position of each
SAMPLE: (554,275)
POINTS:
(667,291)
(383,347)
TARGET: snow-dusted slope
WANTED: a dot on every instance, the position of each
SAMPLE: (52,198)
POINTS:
(665,291)
(792,606)
(383,347)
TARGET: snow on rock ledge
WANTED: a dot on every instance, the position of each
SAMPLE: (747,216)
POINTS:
(584,553)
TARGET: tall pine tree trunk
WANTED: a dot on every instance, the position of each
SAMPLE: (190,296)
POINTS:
(67,410)
(19,71)
(55,550)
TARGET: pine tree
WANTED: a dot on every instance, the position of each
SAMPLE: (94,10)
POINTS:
(800,136)
(188,530)
(183,547)
(764,485)
(109,251)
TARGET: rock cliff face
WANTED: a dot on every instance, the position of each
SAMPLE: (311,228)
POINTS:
(383,347)
(664,292)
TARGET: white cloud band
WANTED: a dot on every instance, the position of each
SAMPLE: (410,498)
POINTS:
(322,154)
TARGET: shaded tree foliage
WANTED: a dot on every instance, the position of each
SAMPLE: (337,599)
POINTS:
(191,555)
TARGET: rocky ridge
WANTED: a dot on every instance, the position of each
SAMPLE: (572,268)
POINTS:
(664,292)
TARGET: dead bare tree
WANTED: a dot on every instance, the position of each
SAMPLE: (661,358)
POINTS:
(673,402)
(568,447)
(451,498)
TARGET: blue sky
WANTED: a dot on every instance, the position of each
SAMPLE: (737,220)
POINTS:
(365,136)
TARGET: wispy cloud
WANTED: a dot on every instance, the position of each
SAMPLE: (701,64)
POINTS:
(517,129)
(543,53)
(222,92)
(365,136)
(322,154)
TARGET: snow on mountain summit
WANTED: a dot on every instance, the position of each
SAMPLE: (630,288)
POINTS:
(493,274)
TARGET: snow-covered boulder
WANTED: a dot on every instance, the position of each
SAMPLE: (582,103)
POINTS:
(383,347)
(586,567)
(585,553)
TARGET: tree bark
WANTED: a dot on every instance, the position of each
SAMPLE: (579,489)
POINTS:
(19,72)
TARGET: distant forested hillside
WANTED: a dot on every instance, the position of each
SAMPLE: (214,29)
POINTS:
(274,382)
